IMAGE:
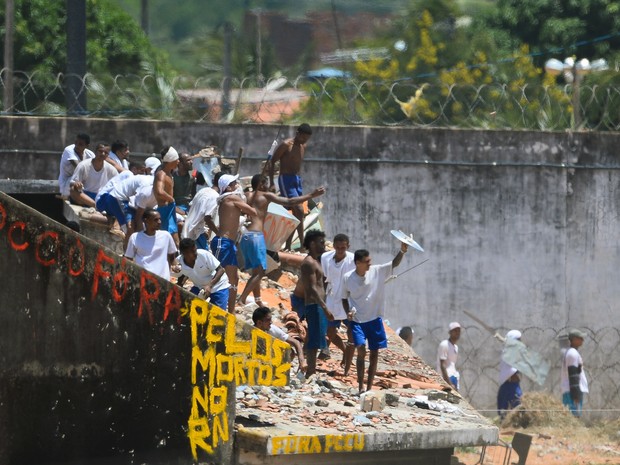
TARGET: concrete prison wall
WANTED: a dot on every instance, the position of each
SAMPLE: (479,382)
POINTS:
(100,358)
(519,227)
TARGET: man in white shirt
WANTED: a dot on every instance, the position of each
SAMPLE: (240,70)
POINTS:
(201,214)
(573,379)
(363,296)
(152,249)
(72,155)
(113,198)
(91,175)
(205,272)
(447,355)
(119,153)
(336,264)
(262,320)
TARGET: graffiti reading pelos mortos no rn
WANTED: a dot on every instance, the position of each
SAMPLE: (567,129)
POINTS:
(219,357)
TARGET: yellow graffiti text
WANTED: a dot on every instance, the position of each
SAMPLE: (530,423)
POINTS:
(316,445)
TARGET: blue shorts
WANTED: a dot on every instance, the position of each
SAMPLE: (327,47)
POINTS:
(254,250)
(219,298)
(317,327)
(225,251)
(299,306)
(290,185)
(202,242)
(371,330)
(184,208)
(334,323)
(570,403)
(130,212)
(455,382)
(112,206)
(168,218)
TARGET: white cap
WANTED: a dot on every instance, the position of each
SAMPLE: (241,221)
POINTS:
(225,181)
(513,334)
(171,155)
(152,163)
(453,325)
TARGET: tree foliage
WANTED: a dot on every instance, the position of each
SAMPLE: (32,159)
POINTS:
(565,27)
(115,46)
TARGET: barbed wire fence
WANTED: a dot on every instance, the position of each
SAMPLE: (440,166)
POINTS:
(323,101)
(480,352)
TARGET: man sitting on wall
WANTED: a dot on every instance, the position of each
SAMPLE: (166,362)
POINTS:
(91,175)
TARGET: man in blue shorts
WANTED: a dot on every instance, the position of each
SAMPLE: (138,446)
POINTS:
(363,295)
(163,187)
(317,313)
(231,205)
(290,154)
(336,264)
(253,241)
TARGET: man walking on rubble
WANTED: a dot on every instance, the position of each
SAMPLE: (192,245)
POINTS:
(231,205)
(253,241)
(290,154)
(363,298)
(336,264)
(316,312)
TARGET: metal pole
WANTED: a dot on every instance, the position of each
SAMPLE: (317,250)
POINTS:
(9,31)
(259,49)
(144,16)
(576,98)
(76,57)
(226,107)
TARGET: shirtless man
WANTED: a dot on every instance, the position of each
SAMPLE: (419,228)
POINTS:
(290,154)
(316,310)
(253,241)
(163,188)
(231,206)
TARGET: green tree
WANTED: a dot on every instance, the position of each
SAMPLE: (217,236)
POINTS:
(564,27)
(115,46)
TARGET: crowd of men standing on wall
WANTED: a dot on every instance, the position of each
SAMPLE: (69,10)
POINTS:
(165,215)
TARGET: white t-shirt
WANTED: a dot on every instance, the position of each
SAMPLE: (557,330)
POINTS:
(334,273)
(505,371)
(366,293)
(67,167)
(130,185)
(203,271)
(92,179)
(114,157)
(278,333)
(449,352)
(572,358)
(203,204)
(151,252)
(144,197)
(120,177)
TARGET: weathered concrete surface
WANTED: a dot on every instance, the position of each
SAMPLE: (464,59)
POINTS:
(520,227)
(321,420)
(99,358)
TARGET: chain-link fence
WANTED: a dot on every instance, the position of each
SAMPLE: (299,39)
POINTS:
(480,352)
(325,101)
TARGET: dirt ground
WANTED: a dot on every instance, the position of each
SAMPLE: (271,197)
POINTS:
(557,437)
(553,446)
